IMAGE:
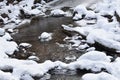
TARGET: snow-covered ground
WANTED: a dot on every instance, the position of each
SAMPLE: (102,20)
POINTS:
(102,31)
(92,24)
(15,13)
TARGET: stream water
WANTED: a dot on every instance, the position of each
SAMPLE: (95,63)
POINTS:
(48,50)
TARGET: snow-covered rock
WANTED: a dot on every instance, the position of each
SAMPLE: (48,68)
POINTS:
(91,49)
(10,30)
(95,56)
(90,15)
(25,45)
(28,67)
(35,58)
(108,39)
(45,36)
(102,31)
(22,9)
(6,46)
(71,57)
(7,36)
(57,12)
(2,32)
(99,76)
(84,46)
(6,76)
(79,11)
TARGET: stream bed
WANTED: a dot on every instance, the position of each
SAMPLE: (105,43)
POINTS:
(28,33)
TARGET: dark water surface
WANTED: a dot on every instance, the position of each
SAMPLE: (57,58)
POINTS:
(47,50)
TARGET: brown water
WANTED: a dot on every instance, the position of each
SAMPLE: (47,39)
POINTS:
(48,50)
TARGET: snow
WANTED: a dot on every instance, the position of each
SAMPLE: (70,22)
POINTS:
(25,45)
(71,57)
(10,30)
(98,28)
(105,38)
(2,32)
(83,46)
(45,36)
(90,49)
(81,22)
(80,9)
(35,58)
(6,76)
(7,47)
(24,5)
(7,36)
(102,31)
(99,76)
(57,12)
(95,56)
(90,15)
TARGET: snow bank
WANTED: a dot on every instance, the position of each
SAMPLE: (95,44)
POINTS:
(26,69)
(23,67)
(7,47)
